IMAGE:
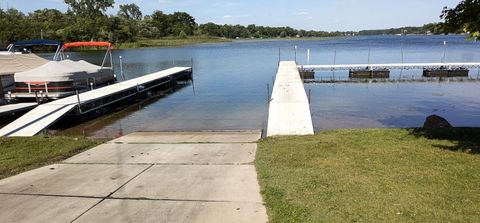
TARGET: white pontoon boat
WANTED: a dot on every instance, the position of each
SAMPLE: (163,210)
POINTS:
(64,77)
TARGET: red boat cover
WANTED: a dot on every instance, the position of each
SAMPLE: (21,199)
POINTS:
(80,44)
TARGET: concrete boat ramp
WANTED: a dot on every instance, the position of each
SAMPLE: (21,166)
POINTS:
(144,177)
(45,115)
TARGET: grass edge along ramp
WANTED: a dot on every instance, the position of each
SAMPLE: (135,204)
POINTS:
(20,154)
(372,175)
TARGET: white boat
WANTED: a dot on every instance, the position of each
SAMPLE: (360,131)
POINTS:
(63,77)
(18,58)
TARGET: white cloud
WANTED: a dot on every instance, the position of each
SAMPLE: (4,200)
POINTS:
(303,13)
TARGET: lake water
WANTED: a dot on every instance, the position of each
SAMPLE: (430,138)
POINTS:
(230,86)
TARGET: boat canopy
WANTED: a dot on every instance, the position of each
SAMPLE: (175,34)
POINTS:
(60,55)
(13,63)
(91,44)
(13,46)
(55,71)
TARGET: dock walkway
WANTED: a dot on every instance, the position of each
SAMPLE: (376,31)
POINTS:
(289,111)
(391,66)
(47,114)
(144,177)
(6,110)
(331,80)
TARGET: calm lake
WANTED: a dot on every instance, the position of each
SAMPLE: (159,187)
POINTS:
(229,90)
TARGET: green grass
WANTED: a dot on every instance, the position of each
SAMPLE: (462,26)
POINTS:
(171,42)
(379,175)
(21,154)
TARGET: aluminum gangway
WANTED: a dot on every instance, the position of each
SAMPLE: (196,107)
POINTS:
(47,114)
(392,66)
(289,108)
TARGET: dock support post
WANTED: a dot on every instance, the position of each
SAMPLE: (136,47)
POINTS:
(401,48)
(121,69)
(369,51)
(296,53)
(444,60)
(334,60)
(78,102)
(191,65)
(308,56)
(268,93)
(279,55)
(36,97)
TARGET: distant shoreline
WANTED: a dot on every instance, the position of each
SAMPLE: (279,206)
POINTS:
(181,42)
(172,42)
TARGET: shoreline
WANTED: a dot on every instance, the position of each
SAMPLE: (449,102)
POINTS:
(181,42)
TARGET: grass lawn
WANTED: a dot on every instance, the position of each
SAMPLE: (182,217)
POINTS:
(171,42)
(21,154)
(378,175)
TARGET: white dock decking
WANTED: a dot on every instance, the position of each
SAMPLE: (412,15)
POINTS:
(289,111)
(14,108)
(47,114)
(404,66)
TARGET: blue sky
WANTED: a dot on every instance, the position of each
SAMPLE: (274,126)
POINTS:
(326,15)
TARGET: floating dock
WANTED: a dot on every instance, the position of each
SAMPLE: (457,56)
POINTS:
(421,79)
(289,110)
(47,114)
(10,109)
(392,66)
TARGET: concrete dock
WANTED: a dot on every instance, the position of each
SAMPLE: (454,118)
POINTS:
(144,177)
(45,115)
(289,111)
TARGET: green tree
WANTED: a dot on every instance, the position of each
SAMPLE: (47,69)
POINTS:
(126,26)
(90,20)
(465,17)
(181,21)
(130,12)
(160,21)
(46,23)
(89,7)
(211,29)
(119,30)
(13,26)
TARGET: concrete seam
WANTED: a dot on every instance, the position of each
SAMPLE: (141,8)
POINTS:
(128,198)
(128,181)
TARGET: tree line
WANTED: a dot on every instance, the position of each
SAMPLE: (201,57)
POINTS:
(431,28)
(87,20)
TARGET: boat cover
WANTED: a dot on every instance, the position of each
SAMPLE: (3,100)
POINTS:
(58,71)
(12,63)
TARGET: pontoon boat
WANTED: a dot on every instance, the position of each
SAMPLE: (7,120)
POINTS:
(64,77)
